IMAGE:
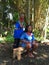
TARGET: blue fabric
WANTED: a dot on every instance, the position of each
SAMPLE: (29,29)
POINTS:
(27,37)
(18,32)
(22,45)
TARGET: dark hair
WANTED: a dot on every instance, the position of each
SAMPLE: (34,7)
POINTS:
(26,29)
(21,14)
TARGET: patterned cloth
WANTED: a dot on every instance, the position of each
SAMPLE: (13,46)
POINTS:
(30,38)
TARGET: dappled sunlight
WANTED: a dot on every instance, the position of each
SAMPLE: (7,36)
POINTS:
(43,56)
(46,42)
(35,52)
(4,62)
(46,25)
(2,38)
(6,32)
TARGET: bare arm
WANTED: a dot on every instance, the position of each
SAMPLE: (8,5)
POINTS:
(24,41)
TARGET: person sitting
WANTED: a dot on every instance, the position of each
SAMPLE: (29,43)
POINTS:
(27,42)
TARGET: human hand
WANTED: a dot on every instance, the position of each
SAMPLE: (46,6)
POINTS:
(23,29)
(28,45)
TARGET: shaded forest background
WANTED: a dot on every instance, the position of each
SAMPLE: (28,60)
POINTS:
(35,12)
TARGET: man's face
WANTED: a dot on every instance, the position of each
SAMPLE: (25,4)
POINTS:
(22,17)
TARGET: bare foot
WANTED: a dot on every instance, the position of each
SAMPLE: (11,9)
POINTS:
(30,55)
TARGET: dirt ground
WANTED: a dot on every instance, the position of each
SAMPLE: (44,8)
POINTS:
(42,56)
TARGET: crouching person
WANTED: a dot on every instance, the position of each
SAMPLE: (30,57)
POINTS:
(27,42)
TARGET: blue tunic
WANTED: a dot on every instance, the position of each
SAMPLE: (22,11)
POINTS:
(19,31)
(29,38)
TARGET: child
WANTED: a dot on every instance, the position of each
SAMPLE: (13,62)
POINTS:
(28,41)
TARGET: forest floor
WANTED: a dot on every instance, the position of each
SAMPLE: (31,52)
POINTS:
(42,56)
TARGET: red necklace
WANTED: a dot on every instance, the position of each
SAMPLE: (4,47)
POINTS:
(28,33)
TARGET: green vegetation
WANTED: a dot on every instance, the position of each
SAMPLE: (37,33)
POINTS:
(9,38)
(15,16)
(37,34)
(37,9)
